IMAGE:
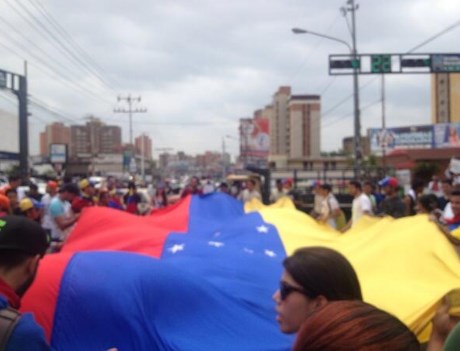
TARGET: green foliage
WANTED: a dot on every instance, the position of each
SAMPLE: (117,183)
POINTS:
(425,170)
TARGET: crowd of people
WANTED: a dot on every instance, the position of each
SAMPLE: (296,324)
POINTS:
(439,199)
(319,295)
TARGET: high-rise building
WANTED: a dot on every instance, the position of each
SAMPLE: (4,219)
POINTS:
(55,133)
(279,122)
(143,146)
(445,98)
(94,138)
(304,126)
(294,127)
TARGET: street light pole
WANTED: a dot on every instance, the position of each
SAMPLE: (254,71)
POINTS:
(354,54)
(357,112)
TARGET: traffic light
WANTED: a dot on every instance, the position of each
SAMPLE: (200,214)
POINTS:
(344,64)
(415,63)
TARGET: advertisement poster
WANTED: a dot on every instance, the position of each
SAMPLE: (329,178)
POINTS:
(58,153)
(447,135)
(415,137)
(254,137)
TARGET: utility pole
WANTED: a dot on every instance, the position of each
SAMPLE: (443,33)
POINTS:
(357,119)
(129,99)
(23,124)
(224,162)
(384,126)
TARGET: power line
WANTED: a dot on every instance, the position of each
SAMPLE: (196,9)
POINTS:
(429,40)
(54,73)
(62,45)
(44,106)
(311,51)
(351,114)
(43,30)
(32,43)
(61,30)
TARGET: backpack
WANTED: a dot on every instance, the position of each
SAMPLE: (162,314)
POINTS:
(9,317)
(340,219)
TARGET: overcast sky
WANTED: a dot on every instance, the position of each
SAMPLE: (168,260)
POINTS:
(200,65)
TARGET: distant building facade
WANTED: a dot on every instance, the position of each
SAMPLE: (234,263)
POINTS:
(304,131)
(445,98)
(94,138)
(143,146)
(295,129)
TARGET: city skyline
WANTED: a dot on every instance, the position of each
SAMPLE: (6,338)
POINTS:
(200,67)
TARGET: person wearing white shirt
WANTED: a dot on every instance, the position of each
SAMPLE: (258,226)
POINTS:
(330,208)
(361,205)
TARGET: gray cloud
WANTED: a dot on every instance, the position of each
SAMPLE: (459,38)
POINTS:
(201,65)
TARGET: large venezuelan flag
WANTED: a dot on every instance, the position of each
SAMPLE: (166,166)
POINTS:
(200,275)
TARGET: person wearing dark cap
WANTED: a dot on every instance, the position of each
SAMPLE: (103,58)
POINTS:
(392,205)
(59,210)
(22,244)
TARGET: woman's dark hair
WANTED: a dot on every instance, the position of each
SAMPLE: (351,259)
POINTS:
(354,325)
(323,271)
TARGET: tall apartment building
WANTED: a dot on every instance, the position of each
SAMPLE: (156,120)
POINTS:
(294,127)
(304,126)
(94,138)
(279,122)
(445,98)
(55,133)
(143,145)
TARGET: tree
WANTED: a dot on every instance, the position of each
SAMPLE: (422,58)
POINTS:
(425,170)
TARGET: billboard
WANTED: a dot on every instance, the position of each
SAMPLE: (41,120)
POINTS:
(254,137)
(389,139)
(446,135)
(58,153)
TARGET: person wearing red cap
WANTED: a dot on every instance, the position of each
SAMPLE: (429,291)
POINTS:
(392,205)
(22,244)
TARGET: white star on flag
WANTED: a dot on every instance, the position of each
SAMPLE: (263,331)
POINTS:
(270,253)
(249,251)
(215,244)
(176,248)
(262,229)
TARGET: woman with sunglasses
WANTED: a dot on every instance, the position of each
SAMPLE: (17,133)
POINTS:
(312,277)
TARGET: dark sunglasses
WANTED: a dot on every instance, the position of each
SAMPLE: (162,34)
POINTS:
(286,289)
